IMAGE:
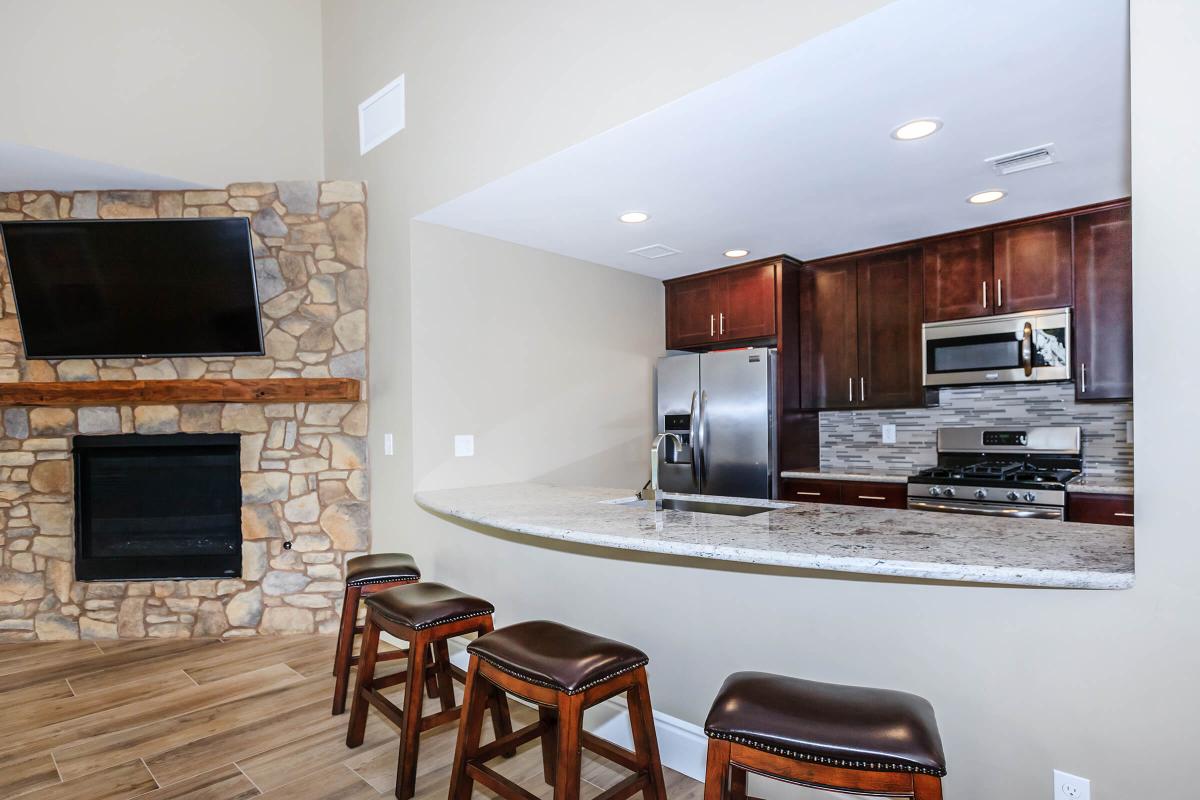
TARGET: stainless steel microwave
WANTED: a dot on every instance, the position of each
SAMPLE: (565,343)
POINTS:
(1011,348)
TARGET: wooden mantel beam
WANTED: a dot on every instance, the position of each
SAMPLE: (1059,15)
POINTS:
(172,392)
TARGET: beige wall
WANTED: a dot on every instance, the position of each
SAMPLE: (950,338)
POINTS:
(211,92)
(1024,680)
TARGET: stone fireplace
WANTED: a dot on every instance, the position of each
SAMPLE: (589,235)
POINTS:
(301,467)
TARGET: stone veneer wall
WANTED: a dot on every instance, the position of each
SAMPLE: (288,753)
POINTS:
(851,441)
(303,466)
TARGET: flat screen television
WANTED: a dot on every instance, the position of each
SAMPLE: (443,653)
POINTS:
(134,288)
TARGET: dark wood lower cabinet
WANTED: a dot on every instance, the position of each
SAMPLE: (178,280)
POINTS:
(1102,509)
(848,493)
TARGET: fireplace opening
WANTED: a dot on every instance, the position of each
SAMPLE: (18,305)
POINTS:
(158,507)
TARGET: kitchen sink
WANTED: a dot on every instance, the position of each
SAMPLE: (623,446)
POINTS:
(702,506)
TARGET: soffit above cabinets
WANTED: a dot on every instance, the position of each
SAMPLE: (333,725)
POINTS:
(794,155)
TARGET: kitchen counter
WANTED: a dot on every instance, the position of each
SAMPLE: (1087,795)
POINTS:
(867,541)
(868,477)
(1091,484)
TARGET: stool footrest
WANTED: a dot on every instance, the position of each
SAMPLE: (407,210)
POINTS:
(384,706)
(508,743)
(612,752)
(440,718)
(626,788)
(497,782)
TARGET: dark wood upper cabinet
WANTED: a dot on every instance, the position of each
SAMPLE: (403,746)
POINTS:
(958,277)
(730,305)
(1032,266)
(748,303)
(691,312)
(829,335)
(890,297)
(1104,305)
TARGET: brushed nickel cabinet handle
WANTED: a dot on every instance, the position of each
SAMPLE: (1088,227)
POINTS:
(712,324)
(870,497)
(1082,377)
(851,381)
(999,292)
(806,494)
(862,389)
(985,294)
(1122,514)
(722,323)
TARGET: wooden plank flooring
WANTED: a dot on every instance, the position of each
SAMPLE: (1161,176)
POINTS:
(217,720)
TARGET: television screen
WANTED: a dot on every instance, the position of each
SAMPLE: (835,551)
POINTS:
(134,288)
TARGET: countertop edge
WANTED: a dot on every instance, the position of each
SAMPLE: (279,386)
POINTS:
(958,573)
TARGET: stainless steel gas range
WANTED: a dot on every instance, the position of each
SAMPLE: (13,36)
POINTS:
(1001,472)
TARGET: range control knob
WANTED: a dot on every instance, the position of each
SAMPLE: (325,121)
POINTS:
(948,491)
(1012,496)
(936,491)
(981,494)
(1029,497)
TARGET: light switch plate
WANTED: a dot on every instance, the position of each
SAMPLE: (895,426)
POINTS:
(889,433)
(464,445)
(389,445)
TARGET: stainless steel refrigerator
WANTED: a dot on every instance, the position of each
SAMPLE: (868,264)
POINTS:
(722,405)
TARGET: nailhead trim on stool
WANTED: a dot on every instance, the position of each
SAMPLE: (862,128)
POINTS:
(833,762)
(555,686)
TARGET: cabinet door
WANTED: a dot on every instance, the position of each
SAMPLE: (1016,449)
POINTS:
(890,300)
(691,312)
(1103,509)
(958,277)
(1032,265)
(829,335)
(877,495)
(747,305)
(1104,305)
(803,490)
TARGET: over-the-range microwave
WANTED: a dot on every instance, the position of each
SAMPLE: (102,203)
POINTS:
(1011,348)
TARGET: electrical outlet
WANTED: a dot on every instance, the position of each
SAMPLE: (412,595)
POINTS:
(464,445)
(889,433)
(389,445)
(1071,787)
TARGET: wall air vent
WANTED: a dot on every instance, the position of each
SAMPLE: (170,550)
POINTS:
(1007,164)
(654,251)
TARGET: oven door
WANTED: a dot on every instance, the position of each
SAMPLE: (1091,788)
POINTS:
(1013,348)
(986,509)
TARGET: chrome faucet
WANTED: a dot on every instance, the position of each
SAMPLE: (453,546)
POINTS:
(654,496)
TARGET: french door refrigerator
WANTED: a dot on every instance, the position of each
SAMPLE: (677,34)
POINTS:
(722,406)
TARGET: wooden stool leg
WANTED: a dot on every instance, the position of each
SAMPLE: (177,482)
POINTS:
(645,741)
(470,728)
(717,770)
(431,680)
(927,787)
(357,728)
(737,783)
(345,647)
(568,760)
(549,719)
(410,735)
(445,681)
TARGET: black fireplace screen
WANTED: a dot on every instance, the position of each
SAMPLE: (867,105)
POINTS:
(166,506)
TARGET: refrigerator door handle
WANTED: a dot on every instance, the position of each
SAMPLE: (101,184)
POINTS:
(693,438)
(698,453)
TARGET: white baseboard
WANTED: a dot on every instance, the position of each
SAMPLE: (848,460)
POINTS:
(682,745)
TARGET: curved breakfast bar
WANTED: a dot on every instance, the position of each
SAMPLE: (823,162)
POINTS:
(864,541)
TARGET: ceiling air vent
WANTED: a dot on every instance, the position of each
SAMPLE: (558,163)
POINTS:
(654,251)
(1022,160)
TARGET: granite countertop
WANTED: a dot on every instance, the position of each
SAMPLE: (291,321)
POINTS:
(870,541)
(1101,484)
(870,477)
(1093,484)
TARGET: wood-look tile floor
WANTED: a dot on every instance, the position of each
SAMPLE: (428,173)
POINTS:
(217,720)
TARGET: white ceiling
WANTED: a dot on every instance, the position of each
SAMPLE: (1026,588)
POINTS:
(794,154)
(24,167)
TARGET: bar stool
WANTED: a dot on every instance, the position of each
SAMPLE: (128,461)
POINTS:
(424,615)
(564,671)
(366,575)
(822,735)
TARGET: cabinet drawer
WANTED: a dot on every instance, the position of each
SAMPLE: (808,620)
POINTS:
(797,490)
(1102,509)
(879,495)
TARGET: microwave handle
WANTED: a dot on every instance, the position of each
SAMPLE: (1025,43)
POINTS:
(1027,350)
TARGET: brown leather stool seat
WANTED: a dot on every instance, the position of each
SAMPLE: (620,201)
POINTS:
(824,723)
(556,656)
(427,604)
(381,568)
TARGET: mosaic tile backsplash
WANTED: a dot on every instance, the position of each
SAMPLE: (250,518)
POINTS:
(851,440)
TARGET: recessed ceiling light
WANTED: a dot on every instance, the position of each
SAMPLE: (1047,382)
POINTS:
(737,253)
(990,196)
(917,129)
(634,216)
